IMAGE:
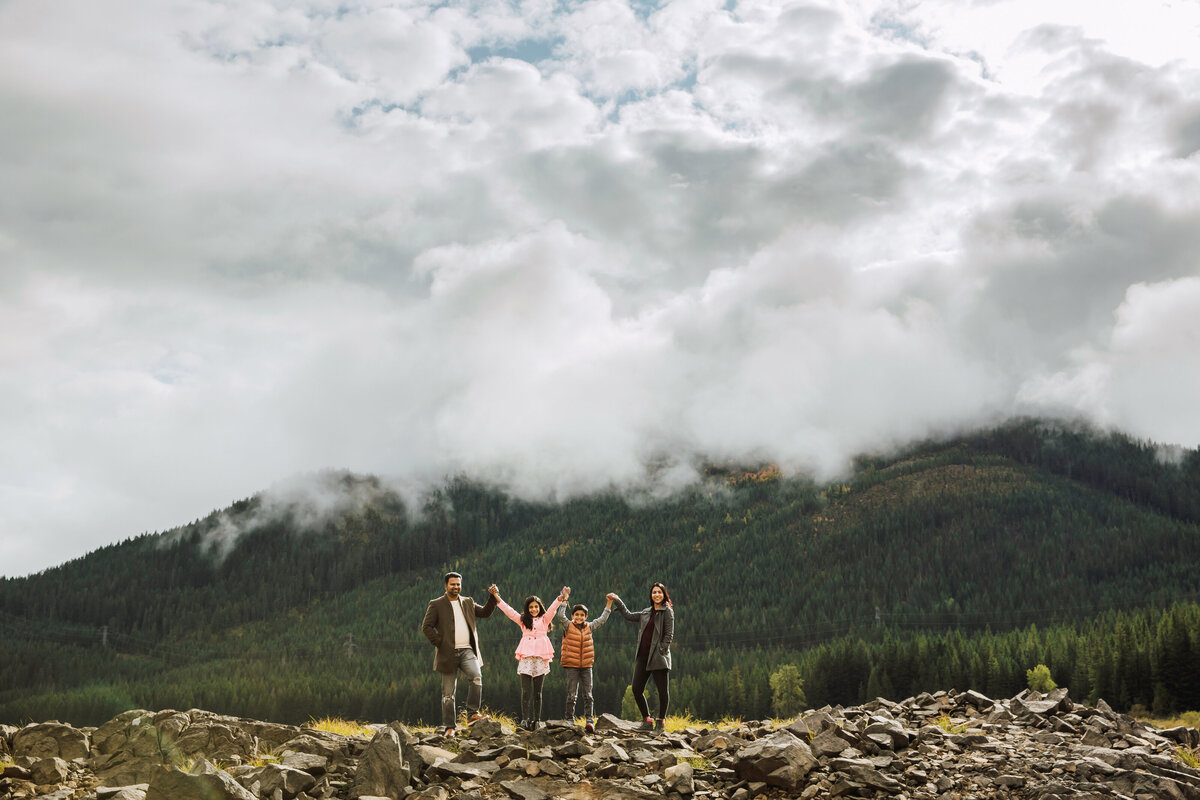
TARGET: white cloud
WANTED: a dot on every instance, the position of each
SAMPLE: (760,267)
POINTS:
(548,244)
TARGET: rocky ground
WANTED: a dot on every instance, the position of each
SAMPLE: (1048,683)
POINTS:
(942,745)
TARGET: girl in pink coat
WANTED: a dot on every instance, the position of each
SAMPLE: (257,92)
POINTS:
(534,652)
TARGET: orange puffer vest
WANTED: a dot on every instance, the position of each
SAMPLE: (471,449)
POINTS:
(577,650)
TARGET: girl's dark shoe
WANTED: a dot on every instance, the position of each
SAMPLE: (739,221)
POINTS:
(659,726)
(647,725)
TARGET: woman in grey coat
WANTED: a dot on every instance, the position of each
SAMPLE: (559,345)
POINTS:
(656,631)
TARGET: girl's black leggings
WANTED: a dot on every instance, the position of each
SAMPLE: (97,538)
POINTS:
(531,697)
(662,679)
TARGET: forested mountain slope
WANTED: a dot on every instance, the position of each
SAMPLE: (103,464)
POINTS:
(921,570)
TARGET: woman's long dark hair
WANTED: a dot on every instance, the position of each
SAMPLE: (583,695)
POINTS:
(666,595)
(527,618)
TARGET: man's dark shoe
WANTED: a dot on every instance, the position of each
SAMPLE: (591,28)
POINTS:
(589,728)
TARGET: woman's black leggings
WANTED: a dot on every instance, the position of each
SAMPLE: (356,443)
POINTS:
(662,679)
(531,697)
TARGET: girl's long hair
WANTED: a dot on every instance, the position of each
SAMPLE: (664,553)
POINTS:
(666,595)
(527,618)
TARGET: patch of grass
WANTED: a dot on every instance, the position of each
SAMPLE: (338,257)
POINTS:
(727,723)
(699,763)
(262,760)
(678,722)
(949,726)
(1188,756)
(342,726)
(507,720)
(1189,718)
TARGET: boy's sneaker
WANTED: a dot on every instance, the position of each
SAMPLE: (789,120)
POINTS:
(471,720)
(589,727)
(449,733)
(647,725)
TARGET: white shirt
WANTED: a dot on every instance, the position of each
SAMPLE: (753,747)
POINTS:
(462,634)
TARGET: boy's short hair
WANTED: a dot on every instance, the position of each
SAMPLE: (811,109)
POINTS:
(578,607)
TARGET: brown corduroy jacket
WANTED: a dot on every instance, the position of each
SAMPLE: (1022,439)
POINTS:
(438,627)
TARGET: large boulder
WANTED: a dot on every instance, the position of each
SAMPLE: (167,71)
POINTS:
(206,782)
(49,771)
(50,740)
(130,748)
(383,770)
(779,759)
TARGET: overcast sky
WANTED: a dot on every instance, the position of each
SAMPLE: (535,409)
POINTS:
(549,243)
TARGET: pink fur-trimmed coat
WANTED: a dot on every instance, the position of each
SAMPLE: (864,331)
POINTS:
(534,642)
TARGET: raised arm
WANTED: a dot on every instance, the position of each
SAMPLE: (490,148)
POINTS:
(561,615)
(488,607)
(558,603)
(603,618)
(508,610)
(623,611)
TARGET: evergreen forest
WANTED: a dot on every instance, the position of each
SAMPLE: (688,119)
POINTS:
(958,563)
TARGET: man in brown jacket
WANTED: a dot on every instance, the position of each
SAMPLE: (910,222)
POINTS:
(450,625)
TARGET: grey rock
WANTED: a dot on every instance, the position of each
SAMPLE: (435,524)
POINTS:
(208,783)
(479,770)
(52,770)
(137,792)
(611,751)
(108,792)
(51,740)
(312,764)
(524,790)
(717,740)
(434,792)
(573,749)
(382,770)
(828,743)
(779,760)
(680,778)
(317,744)
(608,722)
(290,782)
(864,772)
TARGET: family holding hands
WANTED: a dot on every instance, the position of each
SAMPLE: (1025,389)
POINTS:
(449,625)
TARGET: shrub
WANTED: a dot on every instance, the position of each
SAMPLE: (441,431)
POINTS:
(1039,679)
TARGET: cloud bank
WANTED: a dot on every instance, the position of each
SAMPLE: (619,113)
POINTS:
(547,244)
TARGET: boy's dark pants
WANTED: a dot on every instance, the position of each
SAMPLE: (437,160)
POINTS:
(579,678)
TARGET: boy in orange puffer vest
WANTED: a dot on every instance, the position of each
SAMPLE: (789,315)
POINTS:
(577,656)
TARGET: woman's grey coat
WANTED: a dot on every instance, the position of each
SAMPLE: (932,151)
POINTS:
(664,632)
